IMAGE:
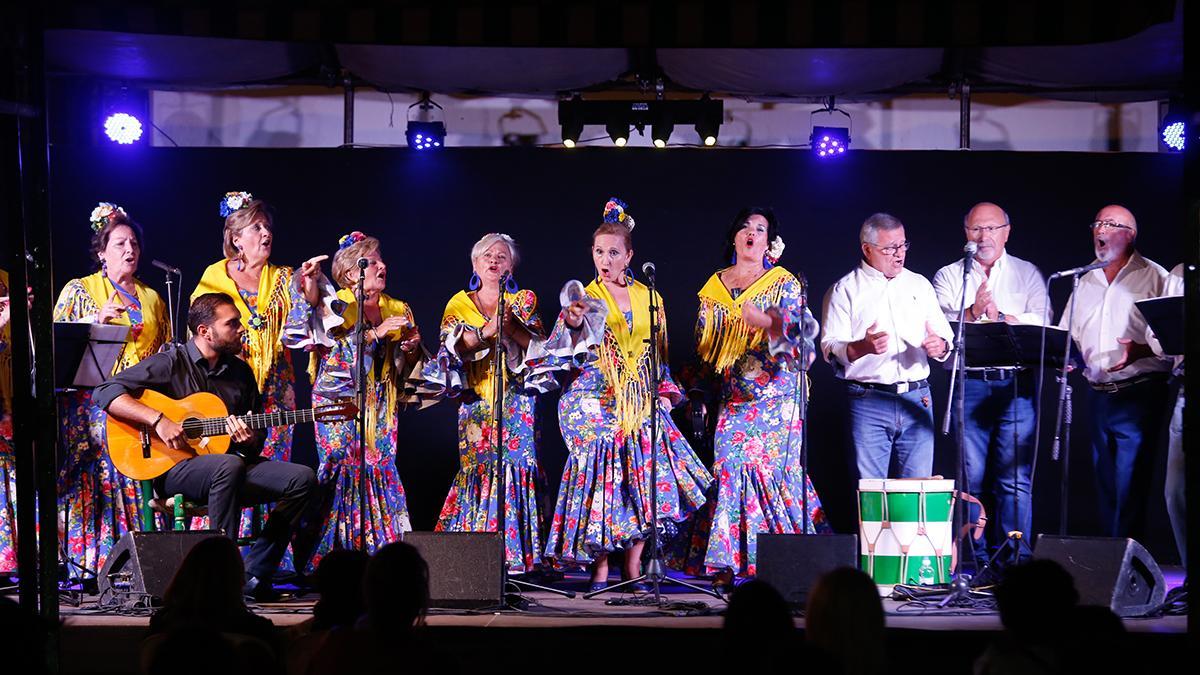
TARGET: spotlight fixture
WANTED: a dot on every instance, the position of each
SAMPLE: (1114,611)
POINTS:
(1174,128)
(660,132)
(123,128)
(425,133)
(832,140)
(661,115)
(618,132)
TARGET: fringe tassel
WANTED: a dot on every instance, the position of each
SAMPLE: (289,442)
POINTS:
(726,337)
(629,383)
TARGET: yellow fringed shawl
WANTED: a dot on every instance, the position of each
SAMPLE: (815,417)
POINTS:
(462,309)
(154,314)
(263,344)
(723,335)
(625,355)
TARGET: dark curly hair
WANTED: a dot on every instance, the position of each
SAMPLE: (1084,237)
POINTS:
(100,237)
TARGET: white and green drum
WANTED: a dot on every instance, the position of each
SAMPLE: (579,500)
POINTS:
(905,531)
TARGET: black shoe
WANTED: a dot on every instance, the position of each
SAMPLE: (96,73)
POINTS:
(260,590)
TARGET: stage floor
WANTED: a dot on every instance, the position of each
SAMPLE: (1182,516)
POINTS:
(95,641)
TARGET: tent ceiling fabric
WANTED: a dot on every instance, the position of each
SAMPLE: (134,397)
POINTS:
(172,60)
(530,71)
(798,72)
(1147,65)
(1152,59)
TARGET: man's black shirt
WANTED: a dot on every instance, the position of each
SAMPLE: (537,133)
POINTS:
(181,371)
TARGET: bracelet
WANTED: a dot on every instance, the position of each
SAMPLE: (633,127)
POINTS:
(154,424)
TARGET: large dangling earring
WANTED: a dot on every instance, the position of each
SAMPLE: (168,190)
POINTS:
(733,258)
(629,277)
(474,283)
(241,258)
(104,269)
(510,285)
(767,264)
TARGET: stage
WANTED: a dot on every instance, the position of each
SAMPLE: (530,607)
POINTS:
(686,636)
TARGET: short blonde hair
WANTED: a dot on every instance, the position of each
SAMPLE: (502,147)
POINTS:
(239,220)
(489,240)
(345,261)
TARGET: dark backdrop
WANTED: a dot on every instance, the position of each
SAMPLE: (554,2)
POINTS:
(428,209)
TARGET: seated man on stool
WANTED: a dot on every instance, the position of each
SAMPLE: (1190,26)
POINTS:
(209,362)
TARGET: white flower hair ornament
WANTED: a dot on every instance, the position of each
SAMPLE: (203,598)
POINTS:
(101,214)
(775,250)
(233,201)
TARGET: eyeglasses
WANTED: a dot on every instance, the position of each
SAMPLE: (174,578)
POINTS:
(893,250)
(986,230)
(1109,225)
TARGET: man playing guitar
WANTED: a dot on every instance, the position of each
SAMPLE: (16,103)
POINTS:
(226,482)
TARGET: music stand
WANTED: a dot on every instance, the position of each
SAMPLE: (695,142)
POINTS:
(85,353)
(1165,318)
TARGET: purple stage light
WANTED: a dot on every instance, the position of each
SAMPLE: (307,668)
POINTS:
(123,128)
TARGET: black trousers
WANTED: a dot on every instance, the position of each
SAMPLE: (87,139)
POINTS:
(227,483)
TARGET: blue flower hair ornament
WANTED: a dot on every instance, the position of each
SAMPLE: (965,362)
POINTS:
(350,239)
(615,212)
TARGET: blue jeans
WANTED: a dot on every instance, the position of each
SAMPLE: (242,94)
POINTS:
(1174,488)
(998,457)
(1125,428)
(892,433)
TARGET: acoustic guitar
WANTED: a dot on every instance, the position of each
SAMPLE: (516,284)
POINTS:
(140,454)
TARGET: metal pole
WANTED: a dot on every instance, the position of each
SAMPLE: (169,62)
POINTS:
(347,109)
(964,114)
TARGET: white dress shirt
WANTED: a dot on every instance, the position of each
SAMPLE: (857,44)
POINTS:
(901,306)
(1105,312)
(1017,287)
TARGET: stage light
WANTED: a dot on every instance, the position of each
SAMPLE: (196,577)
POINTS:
(571,131)
(425,133)
(661,133)
(707,129)
(123,128)
(618,132)
(1174,136)
(829,141)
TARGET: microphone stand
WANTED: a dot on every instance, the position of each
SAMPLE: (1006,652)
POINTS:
(960,585)
(1062,420)
(654,567)
(360,398)
(171,316)
(501,491)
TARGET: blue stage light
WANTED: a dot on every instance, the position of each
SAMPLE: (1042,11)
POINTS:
(123,128)
(829,141)
(425,135)
(1174,135)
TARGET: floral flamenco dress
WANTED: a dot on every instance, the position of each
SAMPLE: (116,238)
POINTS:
(471,505)
(97,505)
(604,499)
(332,342)
(757,442)
(8,469)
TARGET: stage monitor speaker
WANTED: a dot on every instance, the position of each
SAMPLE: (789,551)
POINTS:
(792,563)
(464,567)
(1111,572)
(143,563)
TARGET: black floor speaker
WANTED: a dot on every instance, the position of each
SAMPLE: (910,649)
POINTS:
(792,563)
(1111,572)
(143,563)
(464,567)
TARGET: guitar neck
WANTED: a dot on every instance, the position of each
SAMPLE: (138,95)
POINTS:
(216,426)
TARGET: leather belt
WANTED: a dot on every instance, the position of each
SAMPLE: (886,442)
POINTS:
(897,388)
(992,374)
(1114,387)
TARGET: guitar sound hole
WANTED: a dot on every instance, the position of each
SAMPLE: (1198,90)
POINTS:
(192,428)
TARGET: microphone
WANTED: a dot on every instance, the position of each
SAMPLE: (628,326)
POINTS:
(648,270)
(504,278)
(1076,271)
(809,327)
(969,250)
(362,263)
(169,269)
